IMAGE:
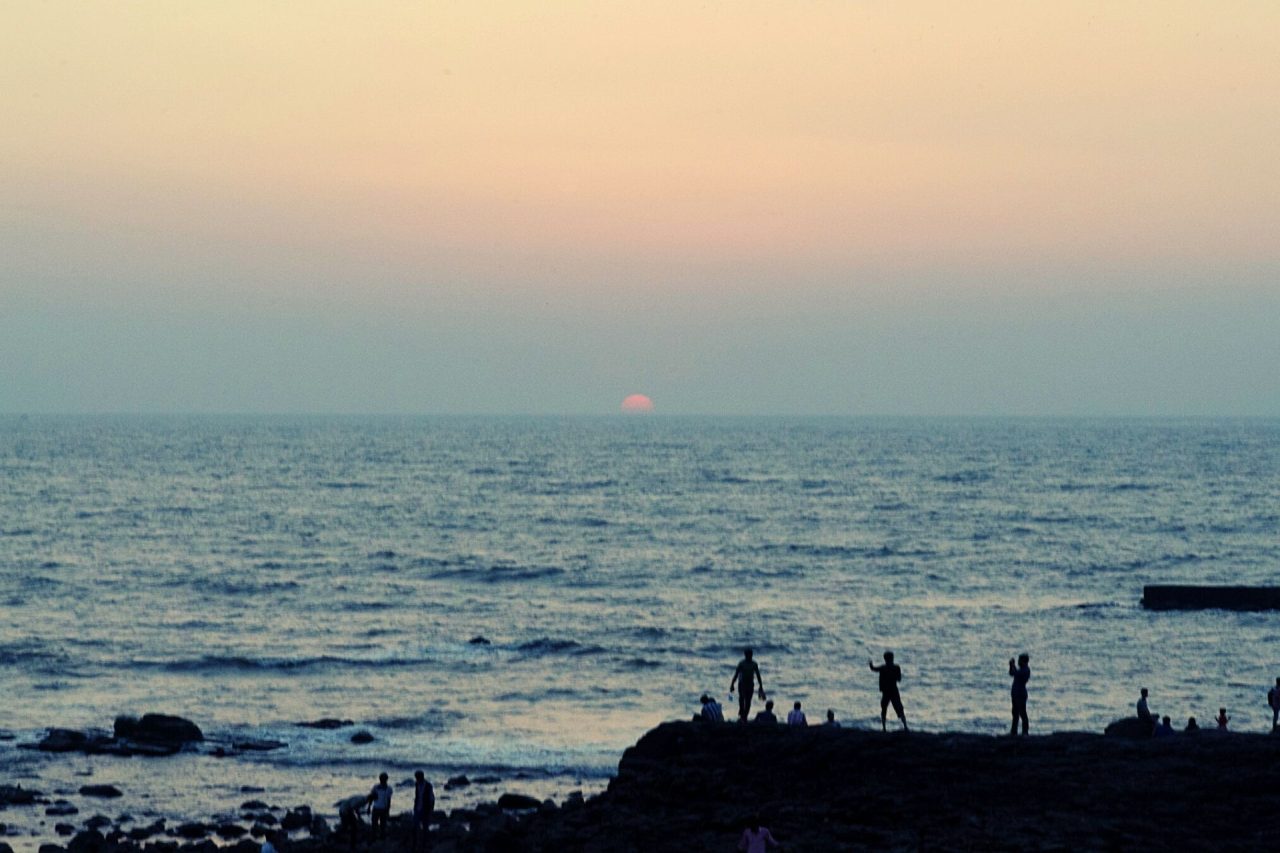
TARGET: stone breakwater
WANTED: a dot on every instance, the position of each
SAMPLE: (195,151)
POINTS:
(692,786)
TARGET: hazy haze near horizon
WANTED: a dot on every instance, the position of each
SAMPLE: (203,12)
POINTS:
(740,208)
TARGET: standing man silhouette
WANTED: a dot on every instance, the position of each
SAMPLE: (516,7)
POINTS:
(746,676)
(1020,674)
(890,675)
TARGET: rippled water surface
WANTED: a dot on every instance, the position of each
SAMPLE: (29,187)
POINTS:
(251,573)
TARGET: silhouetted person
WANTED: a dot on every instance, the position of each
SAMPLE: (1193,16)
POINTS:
(269,843)
(1165,729)
(711,710)
(1273,700)
(755,838)
(349,816)
(1021,674)
(767,715)
(890,675)
(380,807)
(831,720)
(1222,720)
(424,803)
(796,717)
(1193,728)
(1144,713)
(746,677)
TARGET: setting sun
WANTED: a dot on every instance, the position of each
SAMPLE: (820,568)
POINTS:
(637,404)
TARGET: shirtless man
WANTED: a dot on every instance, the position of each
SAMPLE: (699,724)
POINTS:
(746,676)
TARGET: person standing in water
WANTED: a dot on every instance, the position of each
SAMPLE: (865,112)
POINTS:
(746,676)
(1021,674)
(890,675)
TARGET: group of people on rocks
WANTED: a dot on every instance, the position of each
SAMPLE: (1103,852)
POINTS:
(749,682)
(378,804)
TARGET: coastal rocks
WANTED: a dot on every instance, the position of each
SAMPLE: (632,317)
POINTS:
(362,736)
(518,802)
(87,841)
(16,795)
(456,782)
(257,745)
(61,809)
(327,723)
(191,830)
(5,848)
(299,818)
(158,729)
(230,830)
(100,791)
(1129,727)
(480,640)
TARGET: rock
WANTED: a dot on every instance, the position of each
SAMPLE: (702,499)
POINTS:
(5,734)
(479,640)
(98,821)
(99,791)
(327,723)
(319,827)
(259,831)
(16,795)
(1129,727)
(457,782)
(158,728)
(203,846)
(63,740)
(257,745)
(63,828)
(254,806)
(5,848)
(518,802)
(486,780)
(86,842)
(251,789)
(61,809)
(191,830)
(51,848)
(299,818)
(362,736)
(230,830)
(548,807)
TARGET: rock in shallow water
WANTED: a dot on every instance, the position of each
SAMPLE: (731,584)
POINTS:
(327,723)
(158,728)
(362,737)
(100,791)
(518,802)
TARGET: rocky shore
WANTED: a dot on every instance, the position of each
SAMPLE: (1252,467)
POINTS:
(693,786)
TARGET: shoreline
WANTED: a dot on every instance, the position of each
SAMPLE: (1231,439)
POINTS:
(687,785)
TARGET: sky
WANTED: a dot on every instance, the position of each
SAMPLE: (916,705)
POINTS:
(807,207)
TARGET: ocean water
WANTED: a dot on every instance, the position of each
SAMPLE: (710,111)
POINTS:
(250,573)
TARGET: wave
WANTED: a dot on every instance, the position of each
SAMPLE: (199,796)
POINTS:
(497,574)
(859,551)
(965,477)
(548,646)
(346,484)
(217,663)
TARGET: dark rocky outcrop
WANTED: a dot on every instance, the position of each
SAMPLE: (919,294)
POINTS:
(61,809)
(100,791)
(362,737)
(327,723)
(16,795)
(158,729)
(518,802)
(1129,727)
(257,745)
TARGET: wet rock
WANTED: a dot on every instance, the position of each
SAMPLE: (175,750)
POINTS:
(362,736)
(258,830)
(251,789)
(456,782)
(319,826)
(479,640)
(5,848)
(61,808)
(230,830)
(191,830)
(518,802)
(86,842)
(327,723)
(100,791)
(486,780)
(203,846)
(254,806)
(1129,727)
(263,818)
(158,728)
(98,821)
(16,795)
(5,734)
(299,818)
(63,740)
(51,848)
(63,828)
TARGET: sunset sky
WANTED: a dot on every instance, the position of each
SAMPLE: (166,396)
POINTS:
(748,207)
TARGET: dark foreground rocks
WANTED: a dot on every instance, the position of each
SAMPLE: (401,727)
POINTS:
(693,786)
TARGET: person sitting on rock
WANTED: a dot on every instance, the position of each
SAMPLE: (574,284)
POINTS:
(767,715)
(832,722)
(796,717)
(755,838)
(1165,729)
(1144,713)
(711,710)
(380,808)
(1222,720)
(890,675)
(1193,728)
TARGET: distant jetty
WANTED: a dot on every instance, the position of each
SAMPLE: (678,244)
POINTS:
(1162,597)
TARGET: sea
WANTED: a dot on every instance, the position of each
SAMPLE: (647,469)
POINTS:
(518,599)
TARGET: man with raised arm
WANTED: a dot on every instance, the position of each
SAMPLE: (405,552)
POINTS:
(890,675)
